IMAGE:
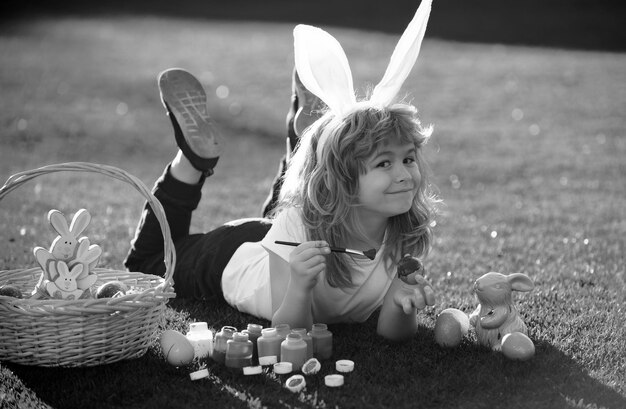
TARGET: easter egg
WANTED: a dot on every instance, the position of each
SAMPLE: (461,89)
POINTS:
(10,291)
(450,328)
(517,346)
(177,349)
(111,289)
(407,266)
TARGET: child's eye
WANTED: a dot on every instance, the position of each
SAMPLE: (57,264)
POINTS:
(383,164)
(409,160)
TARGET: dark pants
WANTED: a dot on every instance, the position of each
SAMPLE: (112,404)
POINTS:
(200,258)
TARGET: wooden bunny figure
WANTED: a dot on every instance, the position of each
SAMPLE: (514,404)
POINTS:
(67,252)
(64,246)
(64,281)
(87,255)
(496,315)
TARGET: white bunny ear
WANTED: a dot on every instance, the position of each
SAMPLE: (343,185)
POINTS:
(403,57)
(58,222)
(83,247)
(81,220)
(520,282)
(323,67)
(93,254)
(75,271)
(45,259)
(58,269)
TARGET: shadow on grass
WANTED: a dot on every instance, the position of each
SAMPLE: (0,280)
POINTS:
(472,376)
(399,375)
(550,380)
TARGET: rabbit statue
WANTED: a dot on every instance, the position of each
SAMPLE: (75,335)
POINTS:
(496,316)
(64,282)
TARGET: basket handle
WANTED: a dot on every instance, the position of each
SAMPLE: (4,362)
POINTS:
(18,179)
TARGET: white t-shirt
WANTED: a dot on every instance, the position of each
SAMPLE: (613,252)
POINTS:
(246,278)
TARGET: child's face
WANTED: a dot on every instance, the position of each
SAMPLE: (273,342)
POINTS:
(390,182)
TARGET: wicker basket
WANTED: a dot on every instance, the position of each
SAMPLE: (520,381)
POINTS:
(84,332)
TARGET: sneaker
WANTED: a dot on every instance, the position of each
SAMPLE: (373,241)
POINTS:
(186,103)
(305,109)
(308,107)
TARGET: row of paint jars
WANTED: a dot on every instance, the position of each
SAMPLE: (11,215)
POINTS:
(267,345)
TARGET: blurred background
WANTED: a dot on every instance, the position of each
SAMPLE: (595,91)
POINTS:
(572,24)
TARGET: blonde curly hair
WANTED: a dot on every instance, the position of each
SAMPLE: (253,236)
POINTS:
(326,188)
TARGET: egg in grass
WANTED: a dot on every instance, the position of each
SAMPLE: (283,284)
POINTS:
(450,328)
(517,346)
(177,349)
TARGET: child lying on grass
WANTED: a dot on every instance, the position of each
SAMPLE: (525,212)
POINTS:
(353,177)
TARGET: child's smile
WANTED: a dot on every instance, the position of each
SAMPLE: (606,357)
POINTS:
(390,183)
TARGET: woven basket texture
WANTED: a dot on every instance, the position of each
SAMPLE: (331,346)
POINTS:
(85,332)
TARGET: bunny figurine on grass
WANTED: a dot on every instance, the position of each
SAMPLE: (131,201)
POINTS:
(496,316)
(70,259)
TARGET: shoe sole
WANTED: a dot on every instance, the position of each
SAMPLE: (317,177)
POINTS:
(183,95)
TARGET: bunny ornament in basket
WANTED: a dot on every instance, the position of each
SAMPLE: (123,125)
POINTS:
(67,266)
(496,316)
(65,282)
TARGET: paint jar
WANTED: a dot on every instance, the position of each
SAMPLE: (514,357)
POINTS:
(306,338)
(201,338)
(268,346)
(282,330)
(293,349)
(238,351)
(254,332)
(322,341)
(219,344)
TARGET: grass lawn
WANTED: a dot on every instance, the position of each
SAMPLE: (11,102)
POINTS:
(528,155)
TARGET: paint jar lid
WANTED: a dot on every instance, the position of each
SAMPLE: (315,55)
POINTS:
(202,373)
(269,332)
(311,367)
(255,328)
(344,365)
(283,367)
(252,370)
(295,383)
(333,380)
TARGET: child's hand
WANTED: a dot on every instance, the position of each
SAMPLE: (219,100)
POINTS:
(417,296)
(307,261)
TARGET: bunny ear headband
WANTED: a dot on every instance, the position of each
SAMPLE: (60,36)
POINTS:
(323,67)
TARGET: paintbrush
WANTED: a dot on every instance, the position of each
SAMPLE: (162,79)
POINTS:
(371,254)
